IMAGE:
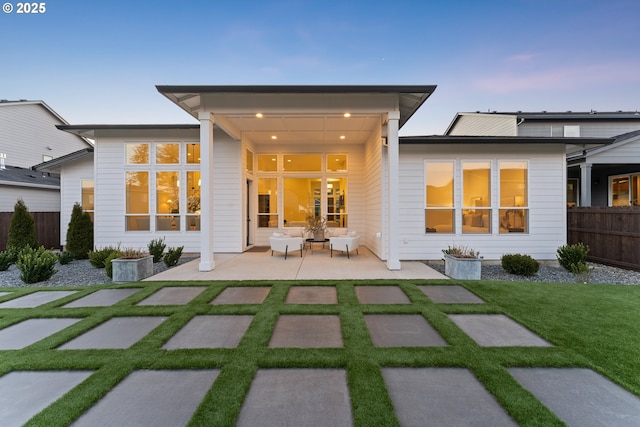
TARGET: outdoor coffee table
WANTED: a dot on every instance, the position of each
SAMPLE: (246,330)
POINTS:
(312,241)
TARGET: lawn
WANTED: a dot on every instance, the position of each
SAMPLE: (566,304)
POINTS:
(591,326)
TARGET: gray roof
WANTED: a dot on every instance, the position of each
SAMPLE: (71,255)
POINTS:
(14,175)
(54,165)
(447,139)
(570,115)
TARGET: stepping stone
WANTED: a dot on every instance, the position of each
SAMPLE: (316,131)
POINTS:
(30,331)
(444,397)
(102,298)
(151,398)
(173,295)
(312,295)
(35,299)
(450,295)
(297,398)
(24,394)
(117,332)
(402,330)
(581,397)
(307,331)
(497,330)
(211,332)
(4,293)
(242,295)
(381,295)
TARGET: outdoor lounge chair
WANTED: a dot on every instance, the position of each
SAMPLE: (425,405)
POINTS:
(347,243)
(285,243)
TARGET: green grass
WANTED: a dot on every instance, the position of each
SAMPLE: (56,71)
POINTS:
(591,326)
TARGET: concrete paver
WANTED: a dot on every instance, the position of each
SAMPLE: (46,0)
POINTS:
(242,295)
(307,331)
(117,332)
(402,330)
(581,397)
(24,394)
(35,299)
(497,330)
(450,295)
(102,298)
(297,398)
(381,295)
(312,295)
(442,397)
(151,398)
(211,331)
(173,295)
(30,331)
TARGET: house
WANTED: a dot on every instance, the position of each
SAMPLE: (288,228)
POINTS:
(28,136)
(263,158)
(597,176)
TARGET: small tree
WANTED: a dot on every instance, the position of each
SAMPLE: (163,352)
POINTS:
(79,233)
(22,230)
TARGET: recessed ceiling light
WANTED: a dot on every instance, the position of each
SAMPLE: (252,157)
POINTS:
(347,115)
(273,160)
(342,137)
(289,160)
(259,115)
(274,137)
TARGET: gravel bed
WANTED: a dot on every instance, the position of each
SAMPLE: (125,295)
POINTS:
(76,273)
(602,274)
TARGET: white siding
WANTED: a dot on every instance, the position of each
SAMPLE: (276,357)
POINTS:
(484,124)
(373,191)
(36,199)
(27,131)
(71,177)
(547,217)
(622,154)
(596,129)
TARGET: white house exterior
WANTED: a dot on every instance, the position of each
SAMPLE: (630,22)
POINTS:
(262,158)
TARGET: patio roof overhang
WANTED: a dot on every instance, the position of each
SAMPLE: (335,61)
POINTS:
(299,114)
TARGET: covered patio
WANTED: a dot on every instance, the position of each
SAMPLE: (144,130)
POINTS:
(316,265)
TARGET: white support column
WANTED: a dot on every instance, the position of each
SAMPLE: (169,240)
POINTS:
(585,184)
(393,157)
(206,195)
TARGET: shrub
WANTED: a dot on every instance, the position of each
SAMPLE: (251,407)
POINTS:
(79,233)
(108,267)
(173,256)
(98,257)
(22,230)
(572,254)
(581,272)
(6,259)
(65,258)
(36,265)
(156,248)
(522,265)
(129,253)
(461,252)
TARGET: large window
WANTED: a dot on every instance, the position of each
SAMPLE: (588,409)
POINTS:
(167,201)
(137,154)
(476,197)
(268,202)
(336,202)
(267,163)
(167,154)
(137,201)
(302,198)
(439,208)
(193,200)
(87,196)
(193,153)
(514,202)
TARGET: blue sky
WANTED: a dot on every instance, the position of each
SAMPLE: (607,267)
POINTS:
(99,61)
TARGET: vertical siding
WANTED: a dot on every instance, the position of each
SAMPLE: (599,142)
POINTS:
(71,178)
(547,224)
(27,131)
(485,124)
(373,195)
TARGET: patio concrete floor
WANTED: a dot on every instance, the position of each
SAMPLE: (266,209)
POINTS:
(307,396)
(311,266)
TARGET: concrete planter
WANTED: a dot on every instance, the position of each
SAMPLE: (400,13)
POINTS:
(131,270)
(462,268)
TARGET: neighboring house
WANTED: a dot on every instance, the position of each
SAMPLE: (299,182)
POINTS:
(28,136)
(596,176)
(263,158)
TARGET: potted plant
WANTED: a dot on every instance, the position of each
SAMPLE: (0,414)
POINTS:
(131,266)
(316,225)
(462,262)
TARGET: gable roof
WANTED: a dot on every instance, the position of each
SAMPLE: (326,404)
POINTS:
(55,164)
(618,141)
(22,177)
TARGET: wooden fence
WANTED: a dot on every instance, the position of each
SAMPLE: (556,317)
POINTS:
(47,228)
(612,234)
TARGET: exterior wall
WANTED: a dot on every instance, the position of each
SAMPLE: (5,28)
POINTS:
(547,200)
(373,201)
(36,199)
(628,152)
(28,130)
(109,215)
(596,129)
(71,177)
(485,124)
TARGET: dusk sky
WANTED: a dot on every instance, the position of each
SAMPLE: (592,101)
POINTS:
(99,61)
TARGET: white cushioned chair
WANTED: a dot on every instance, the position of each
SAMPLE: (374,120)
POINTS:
(285,243)
(347,243)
